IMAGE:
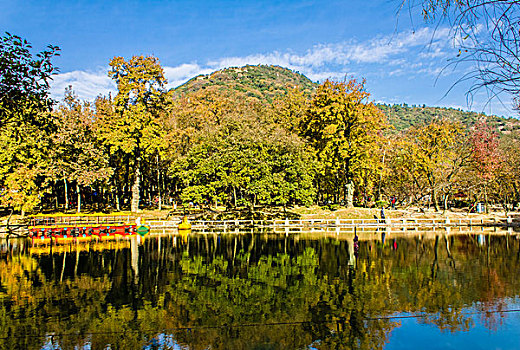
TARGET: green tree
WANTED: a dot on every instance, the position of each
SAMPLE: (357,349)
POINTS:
(24,81)
(24,121)
(233,150)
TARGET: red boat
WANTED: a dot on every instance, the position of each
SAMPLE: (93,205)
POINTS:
(75,228)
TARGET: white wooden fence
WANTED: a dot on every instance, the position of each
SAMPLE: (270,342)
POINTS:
(316,223)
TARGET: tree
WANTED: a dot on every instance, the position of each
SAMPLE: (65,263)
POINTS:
(485,152)
(437,152)
(232,151)
(290,108)
(76,156)
(24,81)
(509,175)
(344,129)
(134,129)
(24,121)
(24,161)
(488,36)
(402,178)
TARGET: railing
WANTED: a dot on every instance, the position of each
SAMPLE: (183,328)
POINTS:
(286,224)
(308,223)
(80,220)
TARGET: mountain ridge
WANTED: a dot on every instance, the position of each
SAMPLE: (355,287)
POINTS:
(266,82)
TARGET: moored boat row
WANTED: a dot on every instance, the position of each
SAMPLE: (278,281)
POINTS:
(65,229)
(62,234)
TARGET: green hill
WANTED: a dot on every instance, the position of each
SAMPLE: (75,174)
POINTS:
(266,82)
(403,116)
(262,82)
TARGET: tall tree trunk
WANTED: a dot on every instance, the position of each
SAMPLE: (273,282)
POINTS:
(118,193)
(350,194)
(379,195)
(486,199)
(158,182)
(127,179)
(446,197)
(337,189)
(118,204)
(318,192)
(78,191)
(66,194)
(57,204)
(344,187)
(100,195)
(434,198)
(136,186)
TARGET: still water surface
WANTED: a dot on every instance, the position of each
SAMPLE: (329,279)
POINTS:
(427,290)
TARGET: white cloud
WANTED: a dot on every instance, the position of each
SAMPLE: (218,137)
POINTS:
(180,74)
(404,52)
(86,85)
(322,76)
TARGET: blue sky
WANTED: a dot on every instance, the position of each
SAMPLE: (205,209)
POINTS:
(402,58)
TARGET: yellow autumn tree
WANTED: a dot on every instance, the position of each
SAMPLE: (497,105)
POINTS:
(439,152)
(133,128)
(345,130)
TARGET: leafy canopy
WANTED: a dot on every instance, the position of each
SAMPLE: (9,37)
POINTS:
(24,81)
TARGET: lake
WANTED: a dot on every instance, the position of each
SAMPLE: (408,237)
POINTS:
(443,289)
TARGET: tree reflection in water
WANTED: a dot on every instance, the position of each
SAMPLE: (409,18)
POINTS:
(252,291)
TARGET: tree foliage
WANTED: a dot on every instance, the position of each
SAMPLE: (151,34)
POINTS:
(438,153)
(250,136)
(77,155)
(237,155)
(488,36)
(135,130)
(24,81)
(344,129)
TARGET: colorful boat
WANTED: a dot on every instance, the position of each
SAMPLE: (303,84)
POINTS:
(62,229)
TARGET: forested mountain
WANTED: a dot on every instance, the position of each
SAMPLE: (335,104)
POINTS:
(267,82)
(261,82)
(402,116)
